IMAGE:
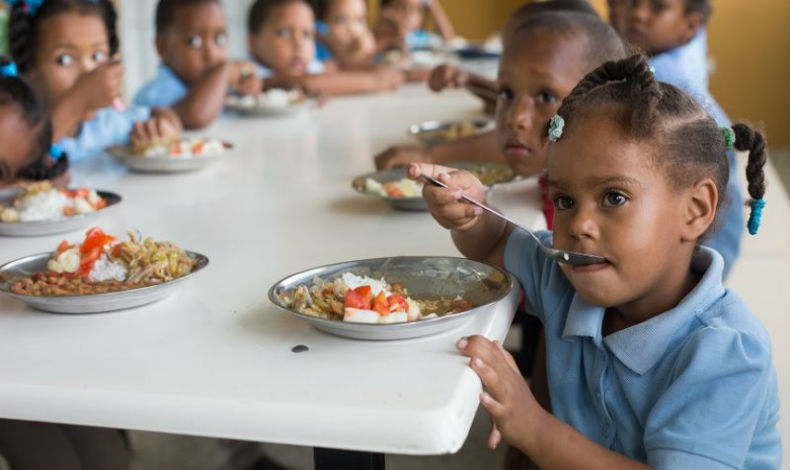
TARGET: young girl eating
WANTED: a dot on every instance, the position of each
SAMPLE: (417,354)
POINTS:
(343,36)
(26,151)
(651,362)
(67,49)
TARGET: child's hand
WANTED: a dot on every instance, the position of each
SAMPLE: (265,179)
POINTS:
(163,126)
(447,76)
(99,87)
(507,398)
(244,79)
(444,203)
(388,77)
(395,157)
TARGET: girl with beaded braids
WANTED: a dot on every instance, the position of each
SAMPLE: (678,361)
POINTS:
(651,362)
(68,49)
(26,152)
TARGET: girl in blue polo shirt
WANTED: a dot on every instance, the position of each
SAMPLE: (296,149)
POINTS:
(651,362)
(65,48)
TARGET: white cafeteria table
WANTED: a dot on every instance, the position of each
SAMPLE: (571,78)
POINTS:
(215,359)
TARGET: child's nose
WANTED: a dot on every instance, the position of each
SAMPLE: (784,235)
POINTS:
(582,224)
(639,11)
(521,115)
(211,52)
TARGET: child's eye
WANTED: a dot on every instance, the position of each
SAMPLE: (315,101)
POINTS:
(506,94)
(221,39)
(282,33)
(99,56)
(657,7)
(64,60)
(195,42)
(562,203)
(614,199)
(546,97)
(307,35)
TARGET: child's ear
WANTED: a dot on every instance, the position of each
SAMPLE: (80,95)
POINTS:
(701,202)
(692,22)
(161,46)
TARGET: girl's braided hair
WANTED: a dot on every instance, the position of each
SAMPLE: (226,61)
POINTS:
(25,22)
(15,90)
(691,143)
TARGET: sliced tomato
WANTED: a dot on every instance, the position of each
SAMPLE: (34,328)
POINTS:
(353,300)
(366,295)
(397,303)
(88,259)
(380,304)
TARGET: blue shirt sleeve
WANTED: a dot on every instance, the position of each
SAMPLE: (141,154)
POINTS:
(708,415)
(545,286)
(108,128)
(163,91)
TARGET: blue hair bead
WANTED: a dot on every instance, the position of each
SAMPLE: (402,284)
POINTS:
(30,5)
(556,125)
(9,70)
(756,215)
(55,152)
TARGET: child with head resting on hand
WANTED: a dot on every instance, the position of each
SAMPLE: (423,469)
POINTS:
(195,74)
(651,362)
(282,42)
(67,49)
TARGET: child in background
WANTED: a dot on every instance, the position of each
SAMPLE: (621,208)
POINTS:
(542,61)
(400,25)
(651,362)
(282,41)
(343,35)
(672,34)
(451,76)
(195,74)
(64,48)
(26,150)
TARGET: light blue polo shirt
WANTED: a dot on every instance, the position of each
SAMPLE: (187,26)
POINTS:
(163,91)
(692,388)
(686,67)
(108,128)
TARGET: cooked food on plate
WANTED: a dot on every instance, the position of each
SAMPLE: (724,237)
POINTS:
(40,201)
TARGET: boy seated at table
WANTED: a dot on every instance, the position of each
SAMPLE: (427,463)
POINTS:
(343,37)
(281,40)
(400,25)
(195,74)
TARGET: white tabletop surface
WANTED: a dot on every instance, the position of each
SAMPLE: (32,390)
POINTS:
(215,359)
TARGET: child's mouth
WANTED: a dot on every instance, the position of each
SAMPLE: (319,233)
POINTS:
(590,268)
(517,149)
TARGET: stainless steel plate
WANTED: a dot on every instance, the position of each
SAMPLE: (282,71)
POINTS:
(13,271)
(166,164)
(417,203)
(434,132)
(61,225)
(425,277)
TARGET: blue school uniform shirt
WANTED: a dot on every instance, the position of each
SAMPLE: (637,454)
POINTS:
(686,67)
(421,39)
(322,53)
(163,91)
(108,128)
(693,387)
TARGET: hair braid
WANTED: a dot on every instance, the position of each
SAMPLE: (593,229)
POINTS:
(747,139)
(20,30)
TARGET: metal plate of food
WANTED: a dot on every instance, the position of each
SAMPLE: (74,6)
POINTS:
(13,271)
(164,159)
(431,283)
(274,102)
(405,194)
(47,223)
(436,132)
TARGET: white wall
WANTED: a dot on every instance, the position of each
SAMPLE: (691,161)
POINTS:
(136,24)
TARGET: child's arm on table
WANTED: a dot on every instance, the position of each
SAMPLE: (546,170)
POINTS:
(343,83)
(205,98)
(477,148)
(478,235)
(94,90)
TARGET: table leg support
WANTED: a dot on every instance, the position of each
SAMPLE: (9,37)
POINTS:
(331,459)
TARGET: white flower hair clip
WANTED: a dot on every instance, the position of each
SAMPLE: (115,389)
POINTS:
(556,124)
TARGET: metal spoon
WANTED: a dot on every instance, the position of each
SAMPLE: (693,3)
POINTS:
(561,256)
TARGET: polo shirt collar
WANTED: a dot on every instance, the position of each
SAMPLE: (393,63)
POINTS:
(640,347)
